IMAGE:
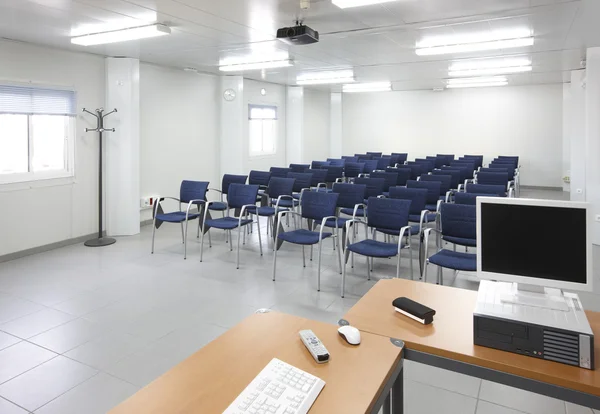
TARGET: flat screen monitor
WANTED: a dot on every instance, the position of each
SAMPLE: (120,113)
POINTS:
(534,242)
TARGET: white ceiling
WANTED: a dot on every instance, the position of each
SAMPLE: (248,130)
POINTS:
(378,41)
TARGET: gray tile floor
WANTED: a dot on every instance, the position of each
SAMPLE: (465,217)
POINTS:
(82,329)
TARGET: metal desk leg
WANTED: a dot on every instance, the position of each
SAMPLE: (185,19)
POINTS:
(387,404)
(398,394)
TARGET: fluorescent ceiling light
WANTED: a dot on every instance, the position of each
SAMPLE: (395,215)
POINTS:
(490,67)
(122,35)
(345,4)
(368,87)
(257,65)
(476,85)
(475,42)
(477,82)
(327,77)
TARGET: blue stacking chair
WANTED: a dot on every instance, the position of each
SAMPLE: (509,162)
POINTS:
(192,193)
(227,180)
(390,180)
(370,165)
(394,160)
(429,163)
(354,169)
(384,162)
(319,164)
(493,178)
(242,197)
(470,199)
(299,168)
(280,172)
(448,158)
(417,213)
(318,207)
(457,224)
(374,186)
(333,173)
(402,173)
(478,159)
(350,158)
(402,157)
(318,178)
(351,199)
(261,179)
(301,183)
(498,190)
(280,198)
(375,154)
(416,170)
(446,183)
(454,177)
(433,192)
(336,162)
(384,214)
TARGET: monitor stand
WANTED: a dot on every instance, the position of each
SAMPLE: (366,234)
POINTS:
(536,296)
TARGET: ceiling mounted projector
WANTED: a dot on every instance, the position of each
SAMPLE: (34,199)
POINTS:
(298,35)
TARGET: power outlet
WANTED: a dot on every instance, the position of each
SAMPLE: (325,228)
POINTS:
(598,218)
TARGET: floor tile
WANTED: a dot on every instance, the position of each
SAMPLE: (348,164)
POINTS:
(423,399)
(578,409)
(45,382)
(65,337)
(85,303)
(36,323)
(441,378)
(7,340)
(520,400)
(105,350)
(95,396)
(21,357)
(12,308)
(6,407)
(484,407)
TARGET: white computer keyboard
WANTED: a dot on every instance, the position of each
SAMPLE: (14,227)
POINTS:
(279,388)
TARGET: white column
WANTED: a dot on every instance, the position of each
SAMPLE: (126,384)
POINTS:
(566,149)
(294,141)
(231,98)
(335,125)
(577,131)
(592,101)
(122,155)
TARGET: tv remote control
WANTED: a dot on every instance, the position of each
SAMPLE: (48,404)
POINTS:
(314,346)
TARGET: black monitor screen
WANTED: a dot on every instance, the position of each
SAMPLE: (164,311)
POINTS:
(534,241)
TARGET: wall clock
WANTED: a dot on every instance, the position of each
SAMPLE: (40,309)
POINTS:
(229,94)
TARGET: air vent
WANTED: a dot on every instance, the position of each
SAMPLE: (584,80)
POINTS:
(561,347)
(576,304)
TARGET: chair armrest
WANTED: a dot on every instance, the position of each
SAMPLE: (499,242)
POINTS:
(319,185)
(363,175)
(339,180)
(511,193)
(215,189)
(426,241)
(349,222)
(460,188)
(281,214)
(356,207)
(448,195)
(439,205)
(401,236)
(244,208)
(324,220)
(381,196)
(192,203)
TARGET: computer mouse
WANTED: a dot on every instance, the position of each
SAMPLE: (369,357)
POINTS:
(350,334)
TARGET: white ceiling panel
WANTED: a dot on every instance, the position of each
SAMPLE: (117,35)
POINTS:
(377,41)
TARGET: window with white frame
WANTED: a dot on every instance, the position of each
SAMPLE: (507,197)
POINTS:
(37,133)
(262,129)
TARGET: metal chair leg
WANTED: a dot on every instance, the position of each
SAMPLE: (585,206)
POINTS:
(185,241)
(230,241)
(440,276)
(346,253)
(425,271)
(319,268)
(410,255)
(303,257)
(182,236)
(275,255)
(198,234)
(398,265)
(238,246)
(209,239)
(339,253)
(202,242)
(368,268)
(153,232)
(259,237)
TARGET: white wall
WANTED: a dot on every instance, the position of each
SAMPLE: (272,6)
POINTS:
(577,132)
(40,213)
(566,147)
(316,125)
(179,130)
(275,96)
(524,121)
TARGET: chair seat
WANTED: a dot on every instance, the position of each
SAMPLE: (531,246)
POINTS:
(431,207)
(176,217)
(302,236)
(416,218)
(341,222)
(226,223)
(264,211)
(455,260)
(460,241)
(285,203)
(350,211)
(296,196)
(374,248)
(218,206)
(414,229)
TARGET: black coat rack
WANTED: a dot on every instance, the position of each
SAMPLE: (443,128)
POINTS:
(100,241)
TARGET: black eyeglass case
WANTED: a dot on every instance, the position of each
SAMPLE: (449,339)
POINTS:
(414,310)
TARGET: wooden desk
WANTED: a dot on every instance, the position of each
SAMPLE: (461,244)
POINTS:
(448,342)
(357,378)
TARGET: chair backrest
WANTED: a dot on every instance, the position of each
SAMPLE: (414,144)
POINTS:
(259,177)
(417,196)
(390,179)
(388,213)
(448,158)
(352,169)
(364,156)
(375,154)
(510,157)
(432,187)
(298,168)
(374,186)
(437,161)
(280,186)
(350,194)
(302,180)
(469,198)
(470,166)
(415,170)
(478,159)
(230,179)
(384,162)
(459,220)
(319,164)
(499,190)
(493,178)
(454,176)
(370,166)
(279,172)
(464,172)
(336,162)
(318,204)
(402,156)
(350,158)
(193,190)
(403,174)
(333,173)
(318,176)
(510,174)
(394,160)
(445,180)
(241,194)
(429,163)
